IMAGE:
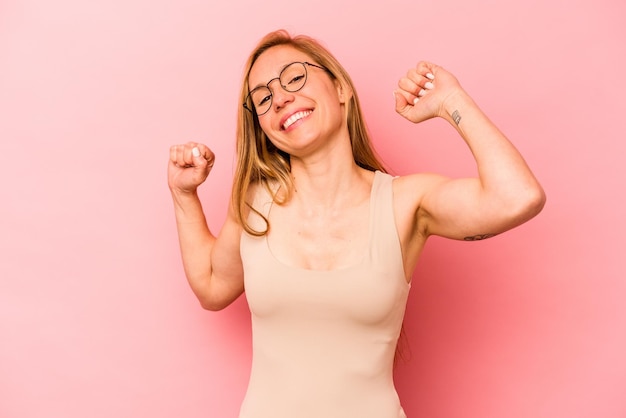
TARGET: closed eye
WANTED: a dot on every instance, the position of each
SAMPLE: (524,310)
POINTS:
(264,99)
(296,79)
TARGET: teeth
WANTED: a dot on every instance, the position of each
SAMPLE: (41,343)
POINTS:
(295,117)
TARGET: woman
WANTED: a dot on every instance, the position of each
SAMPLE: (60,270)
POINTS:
(321,238)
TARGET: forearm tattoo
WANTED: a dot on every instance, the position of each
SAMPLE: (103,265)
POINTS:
(479,237)
(456,117)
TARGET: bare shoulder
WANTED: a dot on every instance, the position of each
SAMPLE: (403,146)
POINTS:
(249,198)
(409,190)
(249,213)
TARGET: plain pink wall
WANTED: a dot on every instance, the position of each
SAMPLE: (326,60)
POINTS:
(96,319)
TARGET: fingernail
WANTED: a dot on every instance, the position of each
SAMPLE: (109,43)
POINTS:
(416,100)
(430,75)
(195,151)
(429,85)
(421,92)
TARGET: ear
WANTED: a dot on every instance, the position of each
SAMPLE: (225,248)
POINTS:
(343,92)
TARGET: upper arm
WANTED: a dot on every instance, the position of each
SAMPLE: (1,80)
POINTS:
(457,209)
(462,209)
(227,268)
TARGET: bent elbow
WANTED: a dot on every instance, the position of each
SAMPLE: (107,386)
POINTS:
(537,200)
(531,203)
(210,305)
(216,301)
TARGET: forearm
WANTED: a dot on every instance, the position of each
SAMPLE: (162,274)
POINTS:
(503,173)
(196,241)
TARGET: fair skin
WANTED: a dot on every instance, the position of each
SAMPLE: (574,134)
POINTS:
(322,226)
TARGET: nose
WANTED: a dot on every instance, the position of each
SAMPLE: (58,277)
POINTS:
(280,96)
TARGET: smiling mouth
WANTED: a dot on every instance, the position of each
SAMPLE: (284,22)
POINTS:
(296,117)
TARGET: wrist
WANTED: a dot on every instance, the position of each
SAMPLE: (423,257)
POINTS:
(178,191)
(181,196)
(455,105)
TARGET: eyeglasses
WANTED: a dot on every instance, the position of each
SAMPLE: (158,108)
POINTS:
(292,78)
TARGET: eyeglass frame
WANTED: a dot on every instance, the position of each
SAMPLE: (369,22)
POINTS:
(267,86)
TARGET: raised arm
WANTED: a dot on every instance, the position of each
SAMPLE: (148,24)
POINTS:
(212,264)
(504,195)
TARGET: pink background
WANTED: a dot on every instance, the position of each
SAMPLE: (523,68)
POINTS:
(96,319)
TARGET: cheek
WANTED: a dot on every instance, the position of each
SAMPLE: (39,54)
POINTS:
(265,125)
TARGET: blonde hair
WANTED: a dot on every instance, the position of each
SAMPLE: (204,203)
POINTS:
(259,161)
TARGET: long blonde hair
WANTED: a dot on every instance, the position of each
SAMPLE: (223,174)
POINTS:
(259,161)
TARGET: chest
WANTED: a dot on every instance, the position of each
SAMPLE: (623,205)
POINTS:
(319,239)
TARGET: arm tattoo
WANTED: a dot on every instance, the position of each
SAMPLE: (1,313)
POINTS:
(479,237)
(456,117)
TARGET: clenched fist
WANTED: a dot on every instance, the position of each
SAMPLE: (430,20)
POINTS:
(422,93)
(189,166)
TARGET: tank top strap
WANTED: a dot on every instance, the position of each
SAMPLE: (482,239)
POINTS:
(384,241)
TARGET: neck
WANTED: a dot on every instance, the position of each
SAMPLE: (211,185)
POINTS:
(328,176)
(328,184)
